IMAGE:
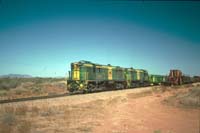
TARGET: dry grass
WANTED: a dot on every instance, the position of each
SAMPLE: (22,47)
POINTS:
(17,127)
(157,131)
(13,119)
(24,126)
(190,98)
(11,88)
(141,94)
(21,110)
(68,118)
(3,93)
(34,111)
(4,128)
(8,119)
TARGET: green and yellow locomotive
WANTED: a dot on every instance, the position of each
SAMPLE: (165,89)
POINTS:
(87,76)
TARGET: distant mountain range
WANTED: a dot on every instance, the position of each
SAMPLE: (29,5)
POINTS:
(15,76)
(25,76)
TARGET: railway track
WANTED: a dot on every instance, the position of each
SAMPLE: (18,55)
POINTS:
(31,98)
(53,96)
(43,97)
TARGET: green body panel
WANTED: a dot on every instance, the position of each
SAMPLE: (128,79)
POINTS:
(83,73)
(90,73)
(101,74)
(157,79)
(118,74)
(93,73)
(146,76)
(134,76)
(129,75)
(140,75)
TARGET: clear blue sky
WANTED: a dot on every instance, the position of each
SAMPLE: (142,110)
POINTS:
(42,37)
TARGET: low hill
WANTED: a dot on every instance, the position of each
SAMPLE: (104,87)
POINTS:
(16,76)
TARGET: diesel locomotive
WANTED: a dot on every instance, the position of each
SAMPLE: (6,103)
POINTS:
(86,76)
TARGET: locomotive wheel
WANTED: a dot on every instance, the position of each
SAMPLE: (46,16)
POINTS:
(119,86)
(71,90)
(73,87)
(90,87)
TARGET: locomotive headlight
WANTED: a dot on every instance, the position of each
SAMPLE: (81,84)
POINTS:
(81,86)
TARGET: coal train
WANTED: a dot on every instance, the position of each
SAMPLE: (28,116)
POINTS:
(86,76)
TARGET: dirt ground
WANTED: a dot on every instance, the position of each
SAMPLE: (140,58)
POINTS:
(138,110)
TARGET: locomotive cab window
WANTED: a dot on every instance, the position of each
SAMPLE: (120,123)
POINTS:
(98,70)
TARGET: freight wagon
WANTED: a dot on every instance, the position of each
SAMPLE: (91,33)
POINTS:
(157,79)
(176,77)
